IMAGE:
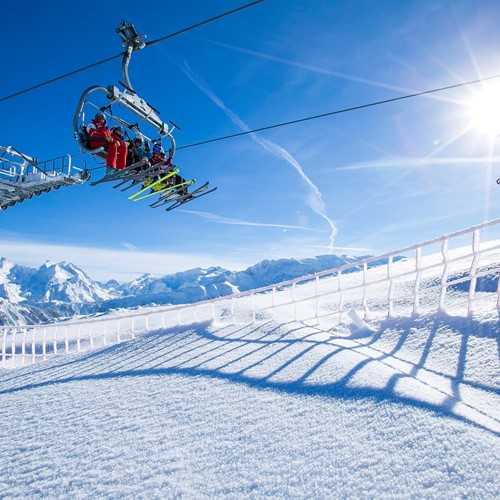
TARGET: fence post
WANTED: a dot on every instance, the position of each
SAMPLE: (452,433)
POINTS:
(44,344)
(498,294)
(91,338)
(23,348)
(78,338)
(66,339)
(55,340)
(364,300)
(294,302)
(390,298)
(316,293)
(444,277)
(253,307)
(472,271)
(33,345)
(416,287)
(4,347)
(13,347)
(341,297)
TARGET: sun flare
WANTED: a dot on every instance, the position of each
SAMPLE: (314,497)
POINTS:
(484,111)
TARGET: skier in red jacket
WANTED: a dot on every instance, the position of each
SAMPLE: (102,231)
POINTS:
(112,140)
(117,150)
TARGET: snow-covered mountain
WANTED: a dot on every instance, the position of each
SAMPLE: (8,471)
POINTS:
(62,290)
(29,295)
(59,290)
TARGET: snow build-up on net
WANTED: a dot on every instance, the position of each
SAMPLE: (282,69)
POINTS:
(133,114)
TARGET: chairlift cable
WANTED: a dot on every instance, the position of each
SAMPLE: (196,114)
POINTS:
(216,18)
(339,111)
(71,73)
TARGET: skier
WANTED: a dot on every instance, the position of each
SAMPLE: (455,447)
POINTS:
(117,150)
(99,135)
(136,155)
(98,131)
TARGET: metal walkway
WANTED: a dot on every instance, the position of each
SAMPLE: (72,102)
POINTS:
(22,177)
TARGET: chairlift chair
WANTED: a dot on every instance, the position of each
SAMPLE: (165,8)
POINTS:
(123,107)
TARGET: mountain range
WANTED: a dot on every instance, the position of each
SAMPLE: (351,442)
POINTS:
(57,291)
(61,290)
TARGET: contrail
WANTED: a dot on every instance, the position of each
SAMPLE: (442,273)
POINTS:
(351,249)
(238,222)
(314,199)
(405,162)
(319,70)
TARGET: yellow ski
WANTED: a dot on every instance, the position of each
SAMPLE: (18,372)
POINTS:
(170,174)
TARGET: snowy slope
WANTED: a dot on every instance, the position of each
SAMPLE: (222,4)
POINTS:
(275,410)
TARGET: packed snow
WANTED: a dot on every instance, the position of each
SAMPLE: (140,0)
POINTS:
(405,406)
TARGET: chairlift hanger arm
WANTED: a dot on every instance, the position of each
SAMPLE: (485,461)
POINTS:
(131,40)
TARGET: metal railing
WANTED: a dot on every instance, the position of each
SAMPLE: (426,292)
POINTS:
(22,177)
(453,273)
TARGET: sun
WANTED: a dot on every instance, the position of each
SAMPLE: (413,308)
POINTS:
(484,111)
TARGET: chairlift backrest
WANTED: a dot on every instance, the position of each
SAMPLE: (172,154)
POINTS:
(114,103)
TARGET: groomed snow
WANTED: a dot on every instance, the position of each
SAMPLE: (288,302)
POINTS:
(274,410)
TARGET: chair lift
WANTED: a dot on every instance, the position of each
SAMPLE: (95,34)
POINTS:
(111,100)
(22,176)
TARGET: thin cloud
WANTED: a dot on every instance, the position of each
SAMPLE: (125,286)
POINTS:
(314,198)
(107,263)
(219,219)
(396,228)
(406,162)
(342,249)
(323,71)
(130,246)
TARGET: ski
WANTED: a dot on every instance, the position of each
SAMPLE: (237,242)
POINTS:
(118,174)
(168,197)
(167,188)
(188,198)
(161,179)
(137,177)
(107,178)
(133,175)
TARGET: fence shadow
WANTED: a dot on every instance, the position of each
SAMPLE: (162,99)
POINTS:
(398,363)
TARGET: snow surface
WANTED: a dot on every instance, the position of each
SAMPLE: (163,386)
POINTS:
(278,409)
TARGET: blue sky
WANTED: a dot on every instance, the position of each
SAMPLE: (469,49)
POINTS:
(363,182)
